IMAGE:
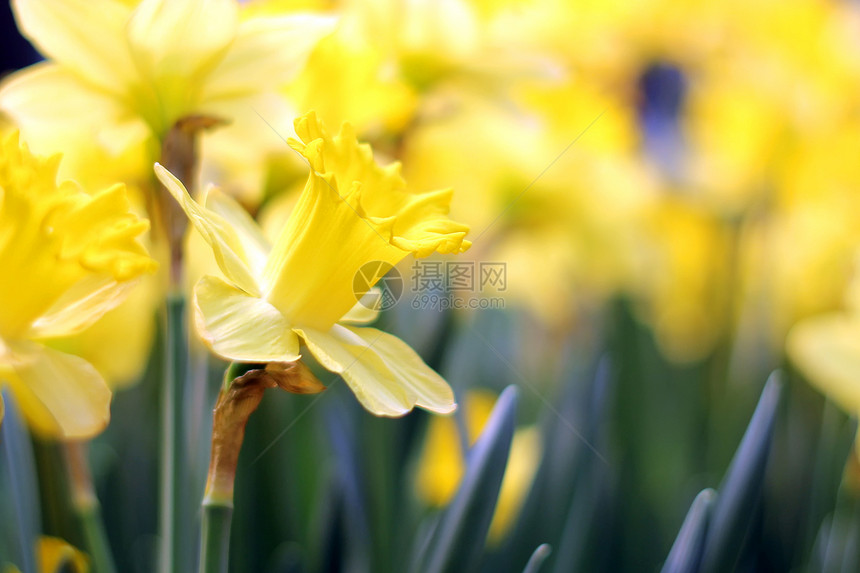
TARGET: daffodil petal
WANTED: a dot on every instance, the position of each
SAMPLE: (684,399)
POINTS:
(366,310)
(178,40)
(93,118)
(255,245)
(258,53)
(80,307)
(62,396)
(827,350)
(82,35)
(240,327)
(221,236)
(384,373)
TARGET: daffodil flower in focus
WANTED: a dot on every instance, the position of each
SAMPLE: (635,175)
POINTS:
(351,212)
(128,71)
(66,258)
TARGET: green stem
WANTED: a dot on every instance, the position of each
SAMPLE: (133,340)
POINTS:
(172,474)
(215,537)
(236,402)
(86,507)
(96,540)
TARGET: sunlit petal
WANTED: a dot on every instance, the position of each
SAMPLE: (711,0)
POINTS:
(255,245)
(179,40)
(240,327)
(62,396)
(366,310)
(82,35)
(384,373)
(258,54)
(80,307)
(221,236)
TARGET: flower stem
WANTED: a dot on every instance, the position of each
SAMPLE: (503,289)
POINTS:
(179,154)
(215,538)
(86,507)
(172,474)
(235,404)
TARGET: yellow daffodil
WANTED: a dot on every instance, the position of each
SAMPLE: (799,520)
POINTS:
(351,212)
(442,463)
(826,349)
(127,71)
(57,556)
(67,257)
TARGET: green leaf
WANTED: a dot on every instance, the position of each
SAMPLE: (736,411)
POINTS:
(687,550)
(742,485)
(18,478)
(538,557)
(458,540)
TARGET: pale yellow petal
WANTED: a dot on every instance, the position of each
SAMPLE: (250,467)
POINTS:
(181,39)
(827,350)
(61,396)
(221,236)
(80,307)
(86,36)
(384,373)
(266,52)
(255,245)
(239,155)
(118,345)
(366,310)
(240,327)
(91,118)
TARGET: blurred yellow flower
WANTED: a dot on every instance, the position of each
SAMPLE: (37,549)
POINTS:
(826,349)
(119,343)
(683,290)
(129,70)
(442,463)
(57,556)
(67,258)
(348,62)
(351,212)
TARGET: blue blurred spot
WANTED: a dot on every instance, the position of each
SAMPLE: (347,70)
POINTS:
(662,91)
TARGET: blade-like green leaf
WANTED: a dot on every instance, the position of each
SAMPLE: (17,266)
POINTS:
(19,476)
(687,550)
(733,511)
(461,532)
(538,557)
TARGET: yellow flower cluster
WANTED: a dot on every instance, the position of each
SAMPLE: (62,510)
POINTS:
(67,257)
